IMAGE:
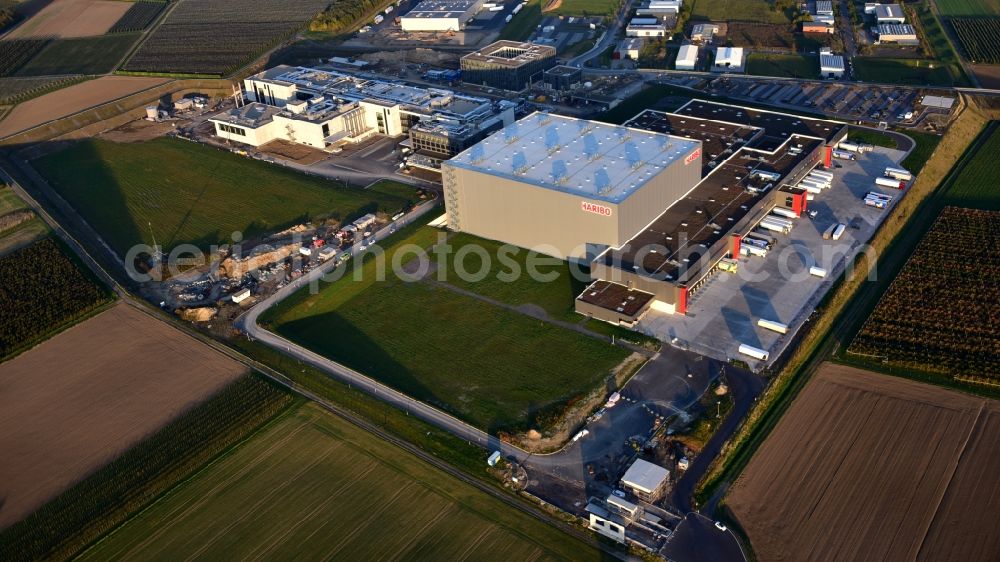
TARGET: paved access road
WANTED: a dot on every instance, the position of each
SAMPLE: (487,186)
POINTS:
(697,539)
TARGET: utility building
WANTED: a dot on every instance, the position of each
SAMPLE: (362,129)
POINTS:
(687,57)
(646,480)
(567,187)
(508,65)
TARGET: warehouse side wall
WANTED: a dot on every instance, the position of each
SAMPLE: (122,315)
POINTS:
(551,222)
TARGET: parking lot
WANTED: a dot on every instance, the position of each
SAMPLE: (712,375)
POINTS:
(851,102)
(723,314)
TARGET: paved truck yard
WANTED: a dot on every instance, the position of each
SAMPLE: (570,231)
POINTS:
(778,287)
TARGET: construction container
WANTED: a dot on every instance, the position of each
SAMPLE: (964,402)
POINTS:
(773,326)
(753,352)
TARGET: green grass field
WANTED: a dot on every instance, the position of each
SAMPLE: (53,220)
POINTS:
(736,10)
(523,24)
(933,33)
(957,8)
(184,192)
(495,368)
(926,143)
(22,234)
(585,8)
(902,71)
(503,283)
(789,66)
(89,55)
(976,186)
(313,486)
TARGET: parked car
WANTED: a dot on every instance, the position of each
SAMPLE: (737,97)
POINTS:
(720,526)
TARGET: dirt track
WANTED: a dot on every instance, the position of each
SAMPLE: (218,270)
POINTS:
(871,467)
(74,403)
(68,101)
(72,18)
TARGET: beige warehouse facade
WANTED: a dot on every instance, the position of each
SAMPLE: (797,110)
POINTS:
(565,187)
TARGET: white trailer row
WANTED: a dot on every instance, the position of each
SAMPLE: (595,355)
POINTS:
(835,231)
(898,174)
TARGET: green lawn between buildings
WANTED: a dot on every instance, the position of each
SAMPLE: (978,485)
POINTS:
(312,485)
(183,192)
(914,72)
(493,367)
(759,11)
(788,66)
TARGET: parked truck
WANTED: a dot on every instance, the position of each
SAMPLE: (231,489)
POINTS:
(773,326)
(890,182)
(787,213)
(844,155)
(754,352)
(898,174)
(379,19)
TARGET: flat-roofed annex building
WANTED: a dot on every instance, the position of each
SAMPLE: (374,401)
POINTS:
(567,187)
(508,65)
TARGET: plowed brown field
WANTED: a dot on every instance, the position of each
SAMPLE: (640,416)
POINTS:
(871,467)
(72,18)
(75,402)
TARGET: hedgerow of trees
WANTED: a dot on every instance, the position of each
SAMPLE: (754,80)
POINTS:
(41,289)
(343,15)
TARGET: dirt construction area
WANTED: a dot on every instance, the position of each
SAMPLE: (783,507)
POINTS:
(871,467)
(77,401)
(71,18)
(73,99)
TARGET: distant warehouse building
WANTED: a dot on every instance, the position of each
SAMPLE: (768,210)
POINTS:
(567,187)
(508,65)
(904,34)
(640,27)
(830,65)
(889,13)
(687,57)
(440,15)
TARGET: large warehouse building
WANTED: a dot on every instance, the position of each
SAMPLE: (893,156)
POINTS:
(661,200)
(325,109)
(567,187)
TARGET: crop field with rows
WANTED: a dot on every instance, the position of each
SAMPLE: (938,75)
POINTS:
(979,38)
(217,37)
(138,17)
(15,52)
(940,313)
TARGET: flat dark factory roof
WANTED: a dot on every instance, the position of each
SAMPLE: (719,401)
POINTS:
(777,126)
(612,296)
(690,226)
(716,138)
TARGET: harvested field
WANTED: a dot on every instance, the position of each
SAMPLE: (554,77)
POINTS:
(88,55)
(71,100)
(988,75)
(74,403)
(72,18)
(871,467)
(314,486)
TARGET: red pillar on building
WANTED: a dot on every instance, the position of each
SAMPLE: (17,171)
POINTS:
(736,241)
(828,156)
(682,300)
(799,203)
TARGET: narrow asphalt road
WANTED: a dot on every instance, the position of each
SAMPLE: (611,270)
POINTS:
(745,387)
